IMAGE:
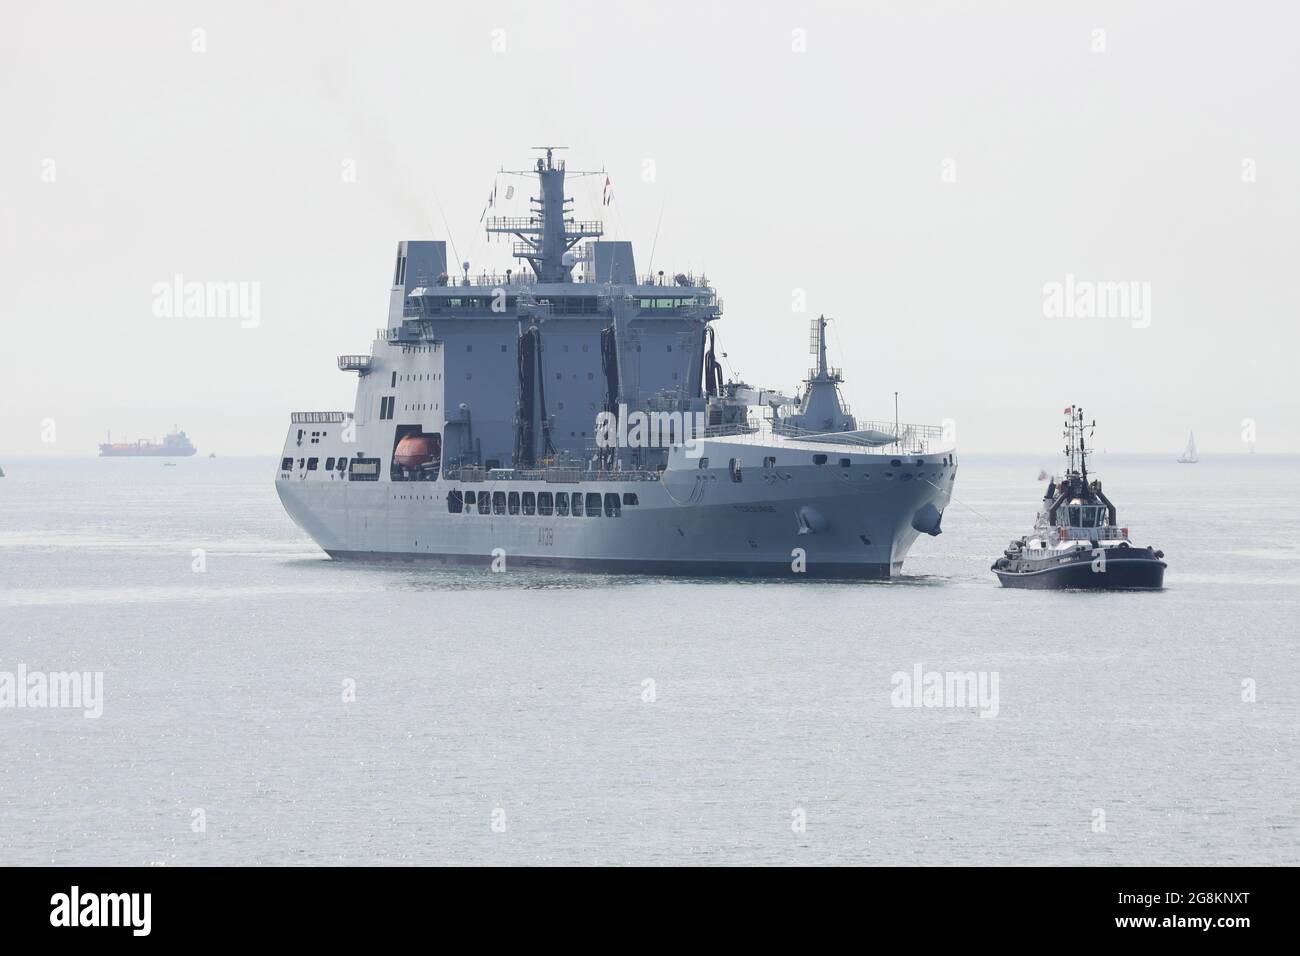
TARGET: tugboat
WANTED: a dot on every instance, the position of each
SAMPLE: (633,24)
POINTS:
(1075,542)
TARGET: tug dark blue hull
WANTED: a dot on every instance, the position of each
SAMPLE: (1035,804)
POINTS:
(1139,570)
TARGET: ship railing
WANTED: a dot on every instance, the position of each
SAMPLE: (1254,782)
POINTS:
(1108,533)
(482,280)
(533,224)
(677,280)
(731,428)
(524,276)
(908,439)
(319,418)
(834,374)
(514,223)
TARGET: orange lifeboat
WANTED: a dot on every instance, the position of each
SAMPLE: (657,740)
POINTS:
(415,451)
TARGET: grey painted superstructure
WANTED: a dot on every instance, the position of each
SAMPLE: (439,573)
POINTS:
(489,401)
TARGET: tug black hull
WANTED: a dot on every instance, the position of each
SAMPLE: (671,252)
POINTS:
(1141,572)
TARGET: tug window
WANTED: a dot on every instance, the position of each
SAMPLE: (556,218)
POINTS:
(329,464)
(530,503)
(577,504)
(484,503)
(562,503)
(469,498)
(455,503)
(544,503)
(629,498)
(498,502)
(1074,516)
(312,463)
(514,502)
(343,464)
(593,504)
(613,508)
(286,464)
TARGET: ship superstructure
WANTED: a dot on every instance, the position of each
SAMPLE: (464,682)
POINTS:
(571,413)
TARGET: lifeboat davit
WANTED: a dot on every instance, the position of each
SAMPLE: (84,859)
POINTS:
(415,451)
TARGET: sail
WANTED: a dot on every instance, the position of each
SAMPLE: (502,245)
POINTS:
(1189,453)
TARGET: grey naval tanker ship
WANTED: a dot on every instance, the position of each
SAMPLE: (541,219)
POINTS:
(572,414)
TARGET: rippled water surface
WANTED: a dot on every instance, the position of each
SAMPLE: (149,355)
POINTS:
(1121,733)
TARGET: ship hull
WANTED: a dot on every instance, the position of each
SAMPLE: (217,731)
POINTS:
(1139,573)
(673,567)
(106,452)
(812,523)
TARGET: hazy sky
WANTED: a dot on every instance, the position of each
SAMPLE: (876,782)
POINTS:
(920,170)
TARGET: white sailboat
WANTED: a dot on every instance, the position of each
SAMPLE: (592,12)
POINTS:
(1188,457)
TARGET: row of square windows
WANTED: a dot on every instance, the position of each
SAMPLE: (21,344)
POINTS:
(540,503)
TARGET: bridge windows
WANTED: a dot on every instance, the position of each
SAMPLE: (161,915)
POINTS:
(629,498)
(455,502)
(498,502)
(545,503)
(576,501)
(562,504)
(484,503)
(593,505)
(286,464)
(819,459)
(613,508)
(329,464)
(514,503)
(529,503)
(733,466)
(312,463)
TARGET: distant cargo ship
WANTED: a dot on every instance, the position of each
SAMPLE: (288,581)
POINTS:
(175,445)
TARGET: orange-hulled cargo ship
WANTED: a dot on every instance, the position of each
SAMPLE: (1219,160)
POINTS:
(176,444)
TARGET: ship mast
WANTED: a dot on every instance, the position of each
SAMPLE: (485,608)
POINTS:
(1075,446)
(550,231)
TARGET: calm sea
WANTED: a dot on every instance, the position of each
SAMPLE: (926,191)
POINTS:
(277,707)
